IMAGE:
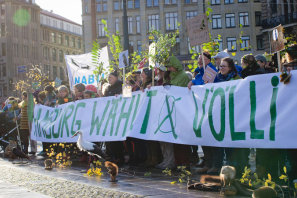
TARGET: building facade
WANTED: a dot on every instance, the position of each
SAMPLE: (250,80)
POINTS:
(31,36)
(274,13)
(165,15)
(59,37)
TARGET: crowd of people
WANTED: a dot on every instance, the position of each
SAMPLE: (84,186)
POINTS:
(164,155)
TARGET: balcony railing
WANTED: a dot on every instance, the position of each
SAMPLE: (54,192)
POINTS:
(282,19)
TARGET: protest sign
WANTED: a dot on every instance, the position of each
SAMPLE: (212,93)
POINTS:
(209,75)
(124,59)
(81,68)
(278,40)
(197,28)
(256,112)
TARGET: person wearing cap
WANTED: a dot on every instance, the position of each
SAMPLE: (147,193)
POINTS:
(199,71)
(175,152)
(218,58)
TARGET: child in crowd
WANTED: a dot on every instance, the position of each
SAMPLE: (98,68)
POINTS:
(90,92)
(79,91)
(63,95)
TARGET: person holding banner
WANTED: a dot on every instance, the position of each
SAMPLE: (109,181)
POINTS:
(153,150)
(175,153)
(250,66)
(114,150)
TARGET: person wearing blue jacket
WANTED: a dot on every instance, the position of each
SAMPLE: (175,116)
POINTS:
(199,71)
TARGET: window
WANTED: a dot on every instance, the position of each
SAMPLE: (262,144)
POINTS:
(101,5)
(150,3)
(3,29)
(72,44)
(59,38)
(131,46)
(25,51)
(130,4)
(191,14)
(242,1)
(229,1)
(54,54)
(215,2)
(78,43)
(62,75)
(168,2)
(137,3)
(139,47)
(117,29)
(260,42)
(258,19)
(231,44)
(60,56)
(220,42)
(3,48)
(216,21)
(116,5)
(53,37)
(47,70)
(101,27)
(230,20)
(67,40)
(244,19)
(138,24)
(4,69)
(245,45)
(130,25)
(46,53)
(55,71)
(2,9)
(171,21)
(153,22)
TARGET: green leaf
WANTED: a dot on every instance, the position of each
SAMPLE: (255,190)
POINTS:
(285,169)
(233,53)
(174,182)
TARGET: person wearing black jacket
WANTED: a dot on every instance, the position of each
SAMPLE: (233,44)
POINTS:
(250,66)
(114,150)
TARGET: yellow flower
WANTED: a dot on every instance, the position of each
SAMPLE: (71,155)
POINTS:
(295,185)
(98,163)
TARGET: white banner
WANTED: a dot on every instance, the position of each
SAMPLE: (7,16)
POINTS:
(257,112)
(80,68)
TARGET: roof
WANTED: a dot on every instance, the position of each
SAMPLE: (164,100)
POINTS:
(51,14)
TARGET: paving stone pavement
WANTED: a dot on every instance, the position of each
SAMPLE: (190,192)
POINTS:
(8,190)
(72,183)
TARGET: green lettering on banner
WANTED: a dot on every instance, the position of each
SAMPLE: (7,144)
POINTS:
(55,135)
(111,116)
(145,122)
(218,92)
(273,113)
(197,130)
(234,134)
(36,121)
(45,121)
(77,122)
(255,133)
(125,116)
(95,120)
(135,111)
(65,119)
